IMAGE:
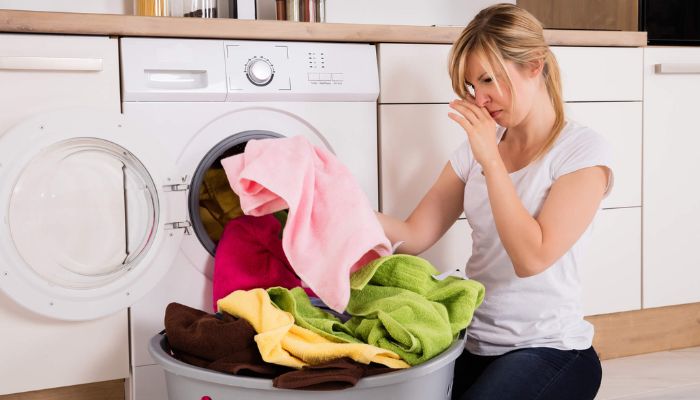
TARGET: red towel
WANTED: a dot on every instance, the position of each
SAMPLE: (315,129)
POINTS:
(249,256)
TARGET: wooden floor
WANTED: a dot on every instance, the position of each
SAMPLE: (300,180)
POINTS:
(111,390)
(665,375)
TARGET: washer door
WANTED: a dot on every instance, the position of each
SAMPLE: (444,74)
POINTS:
(85,212)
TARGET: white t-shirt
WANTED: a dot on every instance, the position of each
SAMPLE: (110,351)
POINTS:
(542,310)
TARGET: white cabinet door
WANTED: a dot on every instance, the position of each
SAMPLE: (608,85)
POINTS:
(39,73)
(621,125)
(671,167)
(414,73)
(416,142)
(600,73)
(611,271)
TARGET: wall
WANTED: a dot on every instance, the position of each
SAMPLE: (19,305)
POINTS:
(85,6)
(406,12)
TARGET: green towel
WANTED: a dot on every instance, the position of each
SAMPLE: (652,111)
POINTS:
(398,305)
(308,316)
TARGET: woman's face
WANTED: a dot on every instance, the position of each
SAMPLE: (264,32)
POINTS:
(499,103)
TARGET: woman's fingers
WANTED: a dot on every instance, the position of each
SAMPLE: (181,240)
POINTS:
(480,113)
(467,112)
(466,125)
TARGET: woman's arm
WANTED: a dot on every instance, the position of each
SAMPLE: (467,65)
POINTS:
(534,244)
(433,216)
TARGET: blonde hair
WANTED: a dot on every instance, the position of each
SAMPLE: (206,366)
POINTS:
(507,32)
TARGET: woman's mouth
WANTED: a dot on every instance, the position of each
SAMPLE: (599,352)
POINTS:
(495,114)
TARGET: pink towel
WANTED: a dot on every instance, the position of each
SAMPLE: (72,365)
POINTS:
(249,256)
(331,230)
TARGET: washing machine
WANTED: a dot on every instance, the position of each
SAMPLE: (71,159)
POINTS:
(204,100)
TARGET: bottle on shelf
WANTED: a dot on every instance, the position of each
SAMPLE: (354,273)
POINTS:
(153,8)
(304,10)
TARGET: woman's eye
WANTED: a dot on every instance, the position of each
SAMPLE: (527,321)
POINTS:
(471,91)
(488,80)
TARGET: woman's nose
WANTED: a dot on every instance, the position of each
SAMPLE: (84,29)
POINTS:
(481,98)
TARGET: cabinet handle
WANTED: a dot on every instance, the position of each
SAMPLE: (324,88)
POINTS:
(50,64)
(677,68)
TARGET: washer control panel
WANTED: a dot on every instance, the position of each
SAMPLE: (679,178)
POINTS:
(299,70)
(160,69)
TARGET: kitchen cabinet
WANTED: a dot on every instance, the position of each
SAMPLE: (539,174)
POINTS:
(671,229)
(39,73)
(602,88)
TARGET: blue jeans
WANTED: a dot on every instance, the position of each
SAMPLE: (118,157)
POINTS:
(536,373)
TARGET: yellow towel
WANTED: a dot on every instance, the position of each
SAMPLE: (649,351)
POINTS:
(281,342)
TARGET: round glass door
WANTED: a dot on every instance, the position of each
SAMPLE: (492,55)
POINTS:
(82,213)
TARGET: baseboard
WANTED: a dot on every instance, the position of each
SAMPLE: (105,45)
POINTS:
(646,331)
(110,390)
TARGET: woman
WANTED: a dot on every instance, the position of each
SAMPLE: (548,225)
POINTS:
(529,183)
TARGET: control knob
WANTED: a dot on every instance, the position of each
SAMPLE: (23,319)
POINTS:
(259,71)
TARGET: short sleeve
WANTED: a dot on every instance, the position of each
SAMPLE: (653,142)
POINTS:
(461,161)
(582,149)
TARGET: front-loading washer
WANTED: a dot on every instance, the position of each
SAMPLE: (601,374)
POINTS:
(203,100)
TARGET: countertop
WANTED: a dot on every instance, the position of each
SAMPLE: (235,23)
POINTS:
(128,25)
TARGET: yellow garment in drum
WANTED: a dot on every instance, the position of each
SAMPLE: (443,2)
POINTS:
(282,342)
(218,204)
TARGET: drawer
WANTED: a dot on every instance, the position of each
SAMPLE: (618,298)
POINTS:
(621,125)
(414,73)
(612,266)
(588,73)
(41,72)
(416,141)
(601,73)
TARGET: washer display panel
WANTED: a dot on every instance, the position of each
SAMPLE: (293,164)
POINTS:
(82,212)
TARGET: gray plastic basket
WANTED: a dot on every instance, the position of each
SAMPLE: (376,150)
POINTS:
(430,380)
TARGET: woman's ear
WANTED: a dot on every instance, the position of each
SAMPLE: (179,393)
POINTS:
(535,67)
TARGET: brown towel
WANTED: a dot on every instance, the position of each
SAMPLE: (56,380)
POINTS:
(224,345)
(341,373)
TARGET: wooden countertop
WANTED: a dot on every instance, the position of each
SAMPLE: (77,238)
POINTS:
(127,25)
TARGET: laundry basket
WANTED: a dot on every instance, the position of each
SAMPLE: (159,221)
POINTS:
(430,380)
